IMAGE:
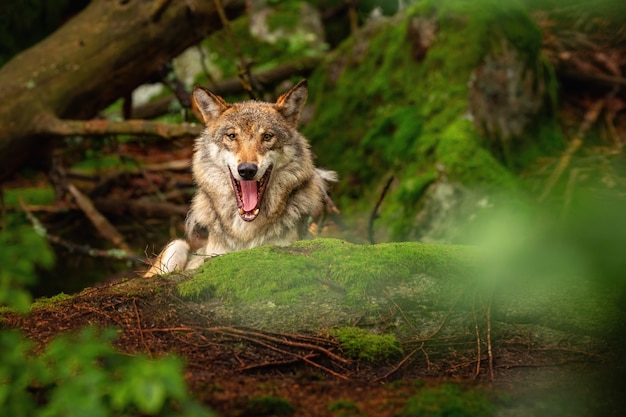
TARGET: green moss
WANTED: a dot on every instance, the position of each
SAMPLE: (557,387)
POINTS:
(448,400)
(362,345)
(30,195)
(285,274)
(49,301)
(381,111)
(465,160)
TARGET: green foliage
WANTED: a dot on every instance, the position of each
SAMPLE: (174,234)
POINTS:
(76,375)
(30,195)
(83,375)
(448,400)
(21,251)
(367,347)
(285,41)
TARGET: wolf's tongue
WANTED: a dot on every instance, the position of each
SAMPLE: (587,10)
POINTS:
(249,196)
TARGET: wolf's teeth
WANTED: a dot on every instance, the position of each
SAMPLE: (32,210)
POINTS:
(241,211)
(256,212)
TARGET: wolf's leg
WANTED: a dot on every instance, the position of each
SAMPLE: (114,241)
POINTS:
(172,258)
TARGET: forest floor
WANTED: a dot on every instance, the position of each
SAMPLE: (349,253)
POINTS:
(246,372)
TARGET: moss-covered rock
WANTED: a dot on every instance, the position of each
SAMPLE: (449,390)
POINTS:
(415,96)
(283,274)
(321,283)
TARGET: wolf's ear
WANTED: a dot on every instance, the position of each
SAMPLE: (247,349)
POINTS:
(207,104)
(291,103)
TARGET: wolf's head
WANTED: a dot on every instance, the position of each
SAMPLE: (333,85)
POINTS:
(249,140)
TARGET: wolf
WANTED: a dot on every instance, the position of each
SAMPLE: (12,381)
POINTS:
(255,177)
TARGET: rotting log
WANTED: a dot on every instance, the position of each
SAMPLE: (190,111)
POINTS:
(101,54)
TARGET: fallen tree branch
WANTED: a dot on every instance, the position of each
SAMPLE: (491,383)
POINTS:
(100,55)
(73,247)
(53,126)
(590,118)
(100,222)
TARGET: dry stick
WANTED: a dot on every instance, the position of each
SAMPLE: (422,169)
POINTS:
(590,118)
(279,340)
(100,222)
(275,364)
(398,366)
(437,330)
(143,341)
(97,253)
(489,351)
(58,127)
(477,330)
(285,352)
(402,313)
(374,215)
(244,73)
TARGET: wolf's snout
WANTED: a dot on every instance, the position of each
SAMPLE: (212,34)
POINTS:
(247,170)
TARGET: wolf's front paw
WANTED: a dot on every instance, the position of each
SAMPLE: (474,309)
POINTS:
(172,258)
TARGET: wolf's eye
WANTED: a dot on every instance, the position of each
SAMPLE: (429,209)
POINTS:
(267,137)
(231,136)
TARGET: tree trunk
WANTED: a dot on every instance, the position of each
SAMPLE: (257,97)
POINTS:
(101,54)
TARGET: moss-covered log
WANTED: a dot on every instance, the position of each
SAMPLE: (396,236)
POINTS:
(101,54)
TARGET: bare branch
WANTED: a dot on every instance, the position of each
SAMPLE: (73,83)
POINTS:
(54,126)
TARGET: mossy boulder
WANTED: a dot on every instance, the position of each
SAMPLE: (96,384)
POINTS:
(425,96)
(321,283)
(403,292)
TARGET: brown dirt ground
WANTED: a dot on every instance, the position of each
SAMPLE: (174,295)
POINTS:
(227,366)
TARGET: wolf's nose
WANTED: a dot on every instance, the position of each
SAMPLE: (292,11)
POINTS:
(247,170)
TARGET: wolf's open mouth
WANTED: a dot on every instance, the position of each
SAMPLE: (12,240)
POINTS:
(249,195)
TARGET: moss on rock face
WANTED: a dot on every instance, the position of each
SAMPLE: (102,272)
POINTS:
(285,274)
(322,283)
(396,99)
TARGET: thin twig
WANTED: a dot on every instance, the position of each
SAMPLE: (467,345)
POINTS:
(477,330)
(375,215)
(404,316)
(489,349)
(590,118)
(398,366)
(96,253)
(138,317)
(244,69)
(279,340)
(254,339)
(54,126)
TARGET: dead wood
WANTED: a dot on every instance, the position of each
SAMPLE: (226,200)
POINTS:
(262,79)
(104,227)
(100,55)
(590,118)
